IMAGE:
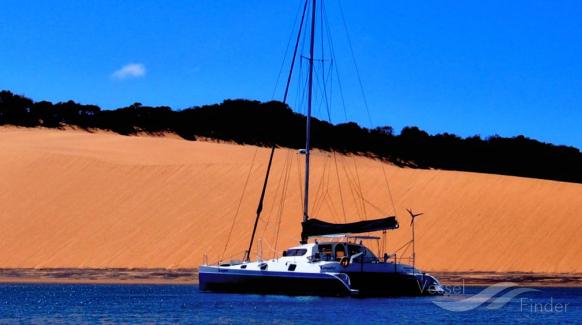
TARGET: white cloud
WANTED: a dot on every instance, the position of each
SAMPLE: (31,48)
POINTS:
(132,70)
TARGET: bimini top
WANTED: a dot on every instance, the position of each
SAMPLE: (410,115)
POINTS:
(315,227)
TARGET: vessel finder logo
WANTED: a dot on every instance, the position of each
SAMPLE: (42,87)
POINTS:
(487,296)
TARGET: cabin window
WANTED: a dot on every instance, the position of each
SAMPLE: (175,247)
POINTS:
(340,251)
(292,267)
(295,252)
(244,266)
(354,249)
(325,252)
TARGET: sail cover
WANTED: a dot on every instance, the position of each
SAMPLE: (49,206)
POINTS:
(315,227)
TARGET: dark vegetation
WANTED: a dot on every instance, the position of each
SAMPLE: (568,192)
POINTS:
(253,122)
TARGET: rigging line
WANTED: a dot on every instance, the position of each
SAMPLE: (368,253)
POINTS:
(388,187)
(282,198)
(317,192)
(240,202)
(287,49)
(328,198)
(406,246)
(319,189)
(323,61)
(325,100)
(273,250)
(365,104)
(330,80)
(333,59)
(275,211)
(337,217)
(304,39)
(351,187)
(260,206)
(294,54)
(267,222)
(328,91)
(300,90)
(378,209)
(355,62)
(326,191)
(323,75)
(341,92)
(319,101)
(324,196)
(339,185)
(322,39)
(363,93)
(356,189)
(322,87)
(359,184)
(288,168)
(403,246)
(331,207)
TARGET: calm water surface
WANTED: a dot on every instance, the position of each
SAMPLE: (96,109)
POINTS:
(80,303)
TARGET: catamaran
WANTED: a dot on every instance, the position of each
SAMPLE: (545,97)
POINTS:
(331,258)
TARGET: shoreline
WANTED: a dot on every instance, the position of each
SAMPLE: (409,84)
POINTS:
(524,279)
(99,275)
(161,276)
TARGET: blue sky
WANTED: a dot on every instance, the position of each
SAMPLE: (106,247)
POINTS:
(465,67)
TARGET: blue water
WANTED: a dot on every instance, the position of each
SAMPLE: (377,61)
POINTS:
(79,303)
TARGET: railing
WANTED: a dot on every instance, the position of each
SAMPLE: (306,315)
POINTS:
(399,260)
(232,259)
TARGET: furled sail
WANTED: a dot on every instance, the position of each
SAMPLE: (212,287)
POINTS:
(315,227)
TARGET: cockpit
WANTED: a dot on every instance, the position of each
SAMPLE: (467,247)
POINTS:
(334,251)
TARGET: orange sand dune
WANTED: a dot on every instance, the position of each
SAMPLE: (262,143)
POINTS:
(75,199)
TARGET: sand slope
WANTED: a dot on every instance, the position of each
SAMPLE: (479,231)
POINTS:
(75,199)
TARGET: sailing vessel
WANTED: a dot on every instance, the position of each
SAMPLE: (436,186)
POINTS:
(335,262)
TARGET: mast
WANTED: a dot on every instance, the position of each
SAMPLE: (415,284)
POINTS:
(413,250)
(308,123)
(412,217)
